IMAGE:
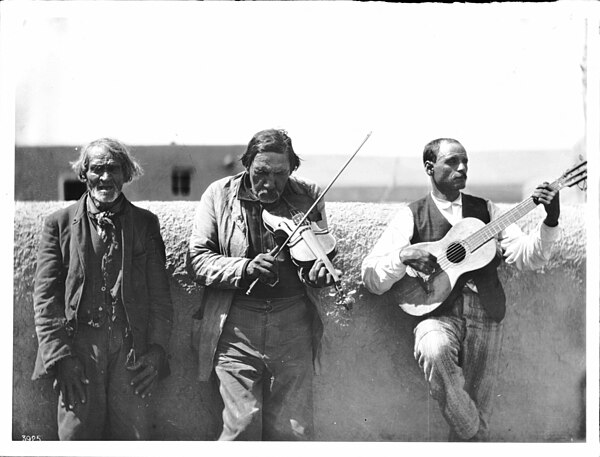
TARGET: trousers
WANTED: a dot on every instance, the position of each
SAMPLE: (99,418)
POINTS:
(112,410)
(264,367)
(458,354)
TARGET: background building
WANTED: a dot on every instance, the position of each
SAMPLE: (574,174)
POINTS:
(173,172)
(170,172)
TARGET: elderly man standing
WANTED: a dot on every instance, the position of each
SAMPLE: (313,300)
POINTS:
(260,345)
(458,344)
(102,303)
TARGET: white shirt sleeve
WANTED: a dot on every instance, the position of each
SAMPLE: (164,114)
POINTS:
(526,251)
(382,267)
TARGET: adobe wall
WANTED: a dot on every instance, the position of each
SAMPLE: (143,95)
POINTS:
(370,388)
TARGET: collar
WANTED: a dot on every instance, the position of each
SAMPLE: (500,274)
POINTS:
(445,204)
(116,207)
(245,189)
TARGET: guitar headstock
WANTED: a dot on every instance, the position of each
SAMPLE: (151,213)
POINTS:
(573,176)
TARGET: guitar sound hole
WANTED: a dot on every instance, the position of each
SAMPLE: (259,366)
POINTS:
(456,253)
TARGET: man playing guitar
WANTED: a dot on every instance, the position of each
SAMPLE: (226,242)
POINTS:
(457,345)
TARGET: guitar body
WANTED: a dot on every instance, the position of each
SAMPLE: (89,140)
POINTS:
(467,246)
(418,294)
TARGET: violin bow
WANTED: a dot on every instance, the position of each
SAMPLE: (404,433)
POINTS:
(277,249)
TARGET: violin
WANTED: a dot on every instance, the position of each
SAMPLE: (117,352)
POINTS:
(307,241)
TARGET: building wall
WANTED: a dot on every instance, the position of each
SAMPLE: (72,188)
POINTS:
(501,176)
(40,171)
(370,388)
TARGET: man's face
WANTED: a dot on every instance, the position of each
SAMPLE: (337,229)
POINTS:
(449,172)
(104,176)
(269,172)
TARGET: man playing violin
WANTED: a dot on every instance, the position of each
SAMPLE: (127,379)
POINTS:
(261,345)
(458,345)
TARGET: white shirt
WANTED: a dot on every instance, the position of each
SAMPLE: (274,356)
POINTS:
(382,267)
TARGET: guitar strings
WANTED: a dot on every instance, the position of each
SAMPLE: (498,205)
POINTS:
(486,233)
(457,251)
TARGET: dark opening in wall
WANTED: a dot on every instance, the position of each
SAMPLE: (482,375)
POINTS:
(181,179)
(73,189)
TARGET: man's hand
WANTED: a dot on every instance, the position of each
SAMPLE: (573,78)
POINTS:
(550,199)
(263,267)
(319,276)
(419,260)
(148,365)
(71,381)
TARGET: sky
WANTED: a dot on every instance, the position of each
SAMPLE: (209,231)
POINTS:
(503,76)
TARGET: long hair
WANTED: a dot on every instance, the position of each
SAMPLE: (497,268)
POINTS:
(131,169)
(271,140)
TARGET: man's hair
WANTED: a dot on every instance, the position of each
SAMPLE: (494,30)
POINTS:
(120,152)
(431,150)
(270,140)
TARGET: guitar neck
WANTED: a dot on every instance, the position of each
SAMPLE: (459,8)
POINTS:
(488,232)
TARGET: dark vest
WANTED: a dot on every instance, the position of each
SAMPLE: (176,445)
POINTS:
(96,306)
(431,225)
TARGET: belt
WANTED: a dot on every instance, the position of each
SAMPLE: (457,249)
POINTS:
(266,304)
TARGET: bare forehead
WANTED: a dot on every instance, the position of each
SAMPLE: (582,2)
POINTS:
(450,149)
(271,160)
(99,155)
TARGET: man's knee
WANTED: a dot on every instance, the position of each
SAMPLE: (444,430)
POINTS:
(86,420)
(132,422)
(241,425)
(435,349)
(438,358)
(77,425)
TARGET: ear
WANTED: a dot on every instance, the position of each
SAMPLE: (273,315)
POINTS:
(428,167)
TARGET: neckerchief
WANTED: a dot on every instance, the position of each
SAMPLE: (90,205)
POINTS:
(103,221)
(105,224)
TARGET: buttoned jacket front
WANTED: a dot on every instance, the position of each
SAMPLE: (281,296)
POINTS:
(217,259)
(61,277)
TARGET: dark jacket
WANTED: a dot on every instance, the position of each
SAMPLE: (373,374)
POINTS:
(61,277)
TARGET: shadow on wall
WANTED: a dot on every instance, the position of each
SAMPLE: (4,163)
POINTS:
(370,388)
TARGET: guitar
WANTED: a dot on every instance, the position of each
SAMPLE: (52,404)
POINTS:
(467,246)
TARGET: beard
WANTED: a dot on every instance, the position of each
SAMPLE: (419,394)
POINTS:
(104,196)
